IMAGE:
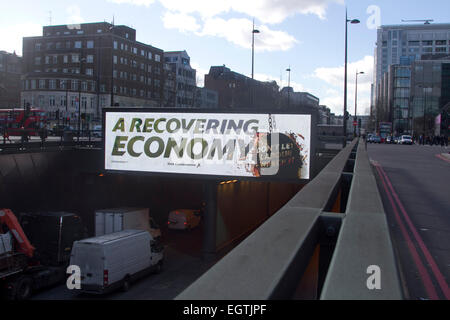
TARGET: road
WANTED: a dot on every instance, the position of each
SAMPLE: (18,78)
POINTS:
(183,264)
(414,182)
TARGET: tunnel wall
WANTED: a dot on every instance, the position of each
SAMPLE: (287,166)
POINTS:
(245,205)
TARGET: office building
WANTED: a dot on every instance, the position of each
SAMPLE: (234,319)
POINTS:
(10,73)
(185,78)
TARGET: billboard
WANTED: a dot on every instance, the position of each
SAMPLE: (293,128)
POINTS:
(274,146)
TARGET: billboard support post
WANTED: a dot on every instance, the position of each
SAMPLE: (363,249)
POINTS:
(209,220)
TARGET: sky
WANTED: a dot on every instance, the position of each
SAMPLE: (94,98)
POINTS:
(306,36)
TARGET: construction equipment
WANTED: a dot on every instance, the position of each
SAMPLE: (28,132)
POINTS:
(25,268)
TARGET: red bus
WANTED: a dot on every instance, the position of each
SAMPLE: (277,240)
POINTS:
(14,120)
(384,130)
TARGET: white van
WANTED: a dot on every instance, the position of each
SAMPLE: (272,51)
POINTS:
(183,219)
(115,260)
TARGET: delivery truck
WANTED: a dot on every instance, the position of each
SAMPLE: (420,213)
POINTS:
(115,260)
(118,219)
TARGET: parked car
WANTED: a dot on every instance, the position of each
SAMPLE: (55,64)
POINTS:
(183,219)
(405,139)
(116,260)
(96,131)
(376,139)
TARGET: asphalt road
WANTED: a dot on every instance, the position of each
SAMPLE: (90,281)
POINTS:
(414,182)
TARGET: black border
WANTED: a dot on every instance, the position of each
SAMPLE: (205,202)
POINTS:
(207,177)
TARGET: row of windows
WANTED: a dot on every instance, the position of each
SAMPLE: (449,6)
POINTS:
(134,92)
(135,64)
(79,44)
(136,51)
(87,71)
(133,77)
(72,58)
(54,84)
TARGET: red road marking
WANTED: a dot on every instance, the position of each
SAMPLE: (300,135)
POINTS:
(442,158)
(437,273)
(424,276)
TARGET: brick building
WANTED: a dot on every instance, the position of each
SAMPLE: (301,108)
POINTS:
(99,64)
(10,73)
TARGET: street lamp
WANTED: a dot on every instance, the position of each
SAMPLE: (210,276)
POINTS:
(79,98)
(353,21)
(253,45)
(289,83)
(355,124)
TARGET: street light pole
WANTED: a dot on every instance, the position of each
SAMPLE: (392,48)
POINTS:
(253,56)
(353,21)
(289,84)
(356,103)
(79,98)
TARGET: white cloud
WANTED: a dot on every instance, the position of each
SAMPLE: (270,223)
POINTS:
(135,2)
(74,17)
(11,35)
(267,11)
(334,76)
(238,31)
(180,21)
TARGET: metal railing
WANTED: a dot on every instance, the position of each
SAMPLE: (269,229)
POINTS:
(62,139)
(319,245)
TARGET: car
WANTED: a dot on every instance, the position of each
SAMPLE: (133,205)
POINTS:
(389,139)
(183,219)
(376,139)
(405,139)
(96,131)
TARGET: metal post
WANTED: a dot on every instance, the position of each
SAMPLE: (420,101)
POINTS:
(209,219)
(345,84)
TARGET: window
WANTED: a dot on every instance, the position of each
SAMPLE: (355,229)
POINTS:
(55,59)
(115,45)
(58,45)
(90,58)
(99,30)
(47,59)
(428,49)
(77,45)
(66,59)
(115,89)
(74,85)
(121,46)
(37,47)
(141,93)
(149,68)
(37,60)
(55,70)
(115,59)
(436,67)
(65,70)
(41,101)
(441,49)
(92,85)
(413,43)
(80,32)
(75,58)
(419,68)
(33,84)
(84,102)
(135,50)
(102,88)
(92,102)
(157,83)
(67,44)
(427,43)
(89,71)
(150,56)
(149,81)
(157,57)
(63,101)
(52,84)
(142,53)
(126,35)
(84,86)
(41,84)
(63,84)
(142,66)
(90,44)
(441,42)
(157,70)
(51,101)
(114,73)
(102,101)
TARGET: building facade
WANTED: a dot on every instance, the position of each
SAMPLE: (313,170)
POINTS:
(206,98)
(185,78)
(237,91)
(401,45)
(10,85)
(92,65)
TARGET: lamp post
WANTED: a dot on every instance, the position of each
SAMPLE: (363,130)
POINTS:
(289,83)
(253,57)
(353,21)
(253,46)
(356,102)
(79,98)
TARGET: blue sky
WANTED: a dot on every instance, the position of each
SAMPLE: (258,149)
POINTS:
(307,35)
